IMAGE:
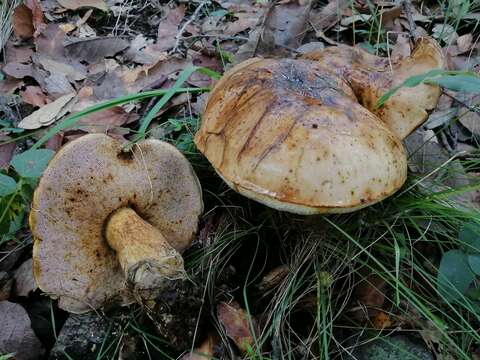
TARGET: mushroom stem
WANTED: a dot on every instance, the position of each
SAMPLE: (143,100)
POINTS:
(146,257)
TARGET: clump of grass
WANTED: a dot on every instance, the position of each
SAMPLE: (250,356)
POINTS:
(6,12)
(309,313)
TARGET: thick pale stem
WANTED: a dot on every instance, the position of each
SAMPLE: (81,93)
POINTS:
(144,254)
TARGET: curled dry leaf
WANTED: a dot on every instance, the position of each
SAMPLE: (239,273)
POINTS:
(48,114)
(236,323)
(95,50)
(16,334)
(78,4)
(24,281)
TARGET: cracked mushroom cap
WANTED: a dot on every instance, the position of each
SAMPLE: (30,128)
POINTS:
(88,180)
(292,135)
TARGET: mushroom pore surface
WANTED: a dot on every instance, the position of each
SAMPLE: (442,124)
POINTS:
(102,218)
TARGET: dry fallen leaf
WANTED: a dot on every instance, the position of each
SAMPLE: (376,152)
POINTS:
(245,21)
(285,25)
(153,76)
(470,119)
(95,50)
(55,142)
(168,27)
(22,22)
(142,51)
(50,42)
(235,321)
(77,4)
(370,291)
(16,334)
(18,54)
(24,281)
(48,114)
(37,16)
(57,85)
(103,121)
(329,15)
(54,66)
(464,42)
(6,151)
(17,70)
(27,20)
(34,95)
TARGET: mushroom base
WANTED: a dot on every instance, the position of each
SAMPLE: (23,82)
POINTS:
(146,257)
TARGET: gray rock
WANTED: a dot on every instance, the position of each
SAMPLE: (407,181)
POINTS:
(398,347)
(81,337)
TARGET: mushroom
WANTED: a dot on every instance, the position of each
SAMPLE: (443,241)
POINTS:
(371,76)
(110,225)
(304,136)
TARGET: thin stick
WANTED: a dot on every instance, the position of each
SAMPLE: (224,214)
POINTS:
(179,37)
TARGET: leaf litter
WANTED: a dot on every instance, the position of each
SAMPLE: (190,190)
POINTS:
(67,55)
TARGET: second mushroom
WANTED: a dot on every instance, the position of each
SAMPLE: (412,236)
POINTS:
(109,224)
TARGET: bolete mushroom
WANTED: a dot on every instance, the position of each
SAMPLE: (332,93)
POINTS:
(303,135)
(109,225)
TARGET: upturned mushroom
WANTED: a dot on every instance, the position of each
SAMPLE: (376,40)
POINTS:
(304,136)
(110,225)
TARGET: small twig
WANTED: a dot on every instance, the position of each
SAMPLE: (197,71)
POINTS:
(179,37)
(407,5)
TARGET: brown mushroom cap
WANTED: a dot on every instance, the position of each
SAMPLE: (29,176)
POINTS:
(371,76)
(87,181)
(291,134)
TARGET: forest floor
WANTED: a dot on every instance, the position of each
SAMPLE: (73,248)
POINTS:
(396,280)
